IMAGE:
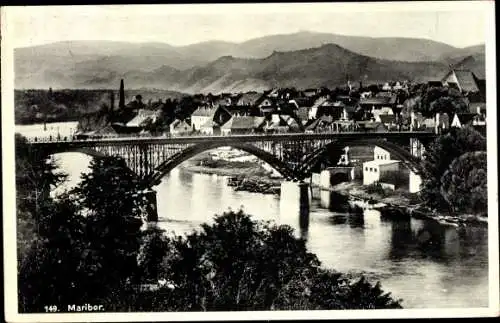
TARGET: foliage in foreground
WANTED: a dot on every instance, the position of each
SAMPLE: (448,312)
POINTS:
(240,264)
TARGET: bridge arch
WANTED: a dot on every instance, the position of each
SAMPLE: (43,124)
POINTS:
(399,153)
(196,149)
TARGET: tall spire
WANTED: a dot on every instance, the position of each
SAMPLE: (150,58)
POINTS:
(121,104)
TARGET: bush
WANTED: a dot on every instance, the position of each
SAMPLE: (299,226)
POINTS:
(240,264)
(376,188)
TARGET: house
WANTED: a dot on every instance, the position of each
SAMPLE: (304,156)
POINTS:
(378,102)
(242,125)
(389,120)
(178,127)
(266,107)
(317,103)
(434,83)
(282,123)
(274,93)
(303,114)
(210,128)
(105,132)
(329,108)
(222,101)
(386,87)
(143,117)
(348,112)
(379,167)
(200,116)
(381,154)
(322,124)
(461,119)
(249,99)
(442,122)
(346,99)
(428,123)
(242,110)
(374,170)
(265,103)
(203,115)
(478,108)
(371,126)
(465,80)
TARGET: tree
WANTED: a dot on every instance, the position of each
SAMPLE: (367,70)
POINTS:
(464,184)
(111,196)
(439,156)
(240,264)
(54,271)
(35,175)
(441,100)
(154,248)
(90,244)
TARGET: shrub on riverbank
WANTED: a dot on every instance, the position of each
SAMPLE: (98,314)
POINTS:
(376,188)
(438,157)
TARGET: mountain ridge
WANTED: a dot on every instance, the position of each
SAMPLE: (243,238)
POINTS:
(161,65)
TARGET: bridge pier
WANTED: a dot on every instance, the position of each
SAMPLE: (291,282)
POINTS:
(415,182)
(330,176)
(295,200)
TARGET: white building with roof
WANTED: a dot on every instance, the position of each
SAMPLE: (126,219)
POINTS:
(375,169)
(381,164)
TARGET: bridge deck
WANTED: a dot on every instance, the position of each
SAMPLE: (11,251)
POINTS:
(238,138)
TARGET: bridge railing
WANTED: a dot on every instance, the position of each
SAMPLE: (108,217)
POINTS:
(118,137)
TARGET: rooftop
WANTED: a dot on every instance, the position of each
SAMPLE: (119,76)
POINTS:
(380,162)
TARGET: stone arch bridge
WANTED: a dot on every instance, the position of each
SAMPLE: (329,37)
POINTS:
(293,155)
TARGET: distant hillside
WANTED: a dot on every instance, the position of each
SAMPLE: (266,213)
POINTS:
(97,64)
(328,65)
(71,104)
(400,49)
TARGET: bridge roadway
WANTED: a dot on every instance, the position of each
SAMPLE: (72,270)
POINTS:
(240,138)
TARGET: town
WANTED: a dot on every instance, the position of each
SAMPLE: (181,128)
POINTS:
(457,99)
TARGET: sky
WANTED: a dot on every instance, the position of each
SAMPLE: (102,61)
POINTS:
(458,24)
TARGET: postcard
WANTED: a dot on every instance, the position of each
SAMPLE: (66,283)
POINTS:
(249,161)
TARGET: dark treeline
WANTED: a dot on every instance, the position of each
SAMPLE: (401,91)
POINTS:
(39,105)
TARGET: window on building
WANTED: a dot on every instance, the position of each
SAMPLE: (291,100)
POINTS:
(375,170)
(371,169)
(366,168)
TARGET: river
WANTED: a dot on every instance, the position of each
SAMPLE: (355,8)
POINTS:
(453,272)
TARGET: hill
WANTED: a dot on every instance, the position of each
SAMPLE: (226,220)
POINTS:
(329,65)
(96,64)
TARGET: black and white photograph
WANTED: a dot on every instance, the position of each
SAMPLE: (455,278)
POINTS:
(249,161)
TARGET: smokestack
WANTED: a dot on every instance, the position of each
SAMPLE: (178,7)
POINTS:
(121,104)
(111,104)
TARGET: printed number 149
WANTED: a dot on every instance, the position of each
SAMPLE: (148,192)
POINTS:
(51,308)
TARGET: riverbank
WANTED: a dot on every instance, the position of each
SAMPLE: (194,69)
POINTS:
(252,177)
(244,176)
(400,203)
